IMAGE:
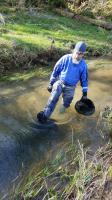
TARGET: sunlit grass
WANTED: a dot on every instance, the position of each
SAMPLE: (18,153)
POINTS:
(26,75)
(29,40)
(40,29)
(26,37)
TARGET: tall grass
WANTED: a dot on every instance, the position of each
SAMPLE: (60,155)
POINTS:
(82,177)
(74,173)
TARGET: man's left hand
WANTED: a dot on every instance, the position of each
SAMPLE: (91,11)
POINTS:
(84,96)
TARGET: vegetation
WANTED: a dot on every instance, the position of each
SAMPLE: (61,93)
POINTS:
(57,3)
(73,174)
(32,37)
(91,7)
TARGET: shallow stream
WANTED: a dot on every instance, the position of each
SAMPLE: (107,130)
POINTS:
(22,145)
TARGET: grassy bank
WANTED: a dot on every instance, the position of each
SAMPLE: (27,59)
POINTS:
(25,75)
(74,174)
(33,37)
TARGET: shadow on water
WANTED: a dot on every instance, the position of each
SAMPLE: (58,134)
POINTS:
(24,143)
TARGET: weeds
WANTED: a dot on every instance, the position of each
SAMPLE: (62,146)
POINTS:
(81,178)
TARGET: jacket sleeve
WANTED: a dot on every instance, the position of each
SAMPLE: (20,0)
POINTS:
(84,78)
(56,71)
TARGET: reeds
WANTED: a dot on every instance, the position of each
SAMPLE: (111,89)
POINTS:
(83,176)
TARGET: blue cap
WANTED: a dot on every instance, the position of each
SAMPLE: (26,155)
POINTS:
(80,46)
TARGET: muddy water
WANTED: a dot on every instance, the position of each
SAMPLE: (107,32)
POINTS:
(23,144)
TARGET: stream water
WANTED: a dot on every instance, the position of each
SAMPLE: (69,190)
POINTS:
(22,145)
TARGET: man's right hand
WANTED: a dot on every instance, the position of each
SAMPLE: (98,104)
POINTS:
(49,88)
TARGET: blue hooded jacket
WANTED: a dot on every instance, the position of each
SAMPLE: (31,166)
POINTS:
(70,73)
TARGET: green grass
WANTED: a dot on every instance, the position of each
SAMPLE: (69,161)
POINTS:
(37,31)
(27,37)
(26,75)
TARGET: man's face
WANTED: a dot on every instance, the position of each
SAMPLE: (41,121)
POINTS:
(78,55)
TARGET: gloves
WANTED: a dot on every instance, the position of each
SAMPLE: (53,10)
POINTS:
(84,96)
(49,88)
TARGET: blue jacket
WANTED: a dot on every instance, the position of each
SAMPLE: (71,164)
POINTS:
(70,73)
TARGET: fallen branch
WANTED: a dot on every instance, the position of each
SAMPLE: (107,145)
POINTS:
(97,22)
(100,23)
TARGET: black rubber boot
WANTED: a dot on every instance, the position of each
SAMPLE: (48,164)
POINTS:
(41,117)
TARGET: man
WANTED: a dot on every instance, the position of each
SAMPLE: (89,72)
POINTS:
(68,71)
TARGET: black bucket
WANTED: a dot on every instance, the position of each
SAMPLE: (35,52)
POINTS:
(85,107)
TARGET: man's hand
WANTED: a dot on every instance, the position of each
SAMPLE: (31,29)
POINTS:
(84,96)
(49,88)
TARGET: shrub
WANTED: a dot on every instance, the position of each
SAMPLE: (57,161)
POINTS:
(57,3)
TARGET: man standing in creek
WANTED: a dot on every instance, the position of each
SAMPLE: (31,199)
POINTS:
(67,72)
